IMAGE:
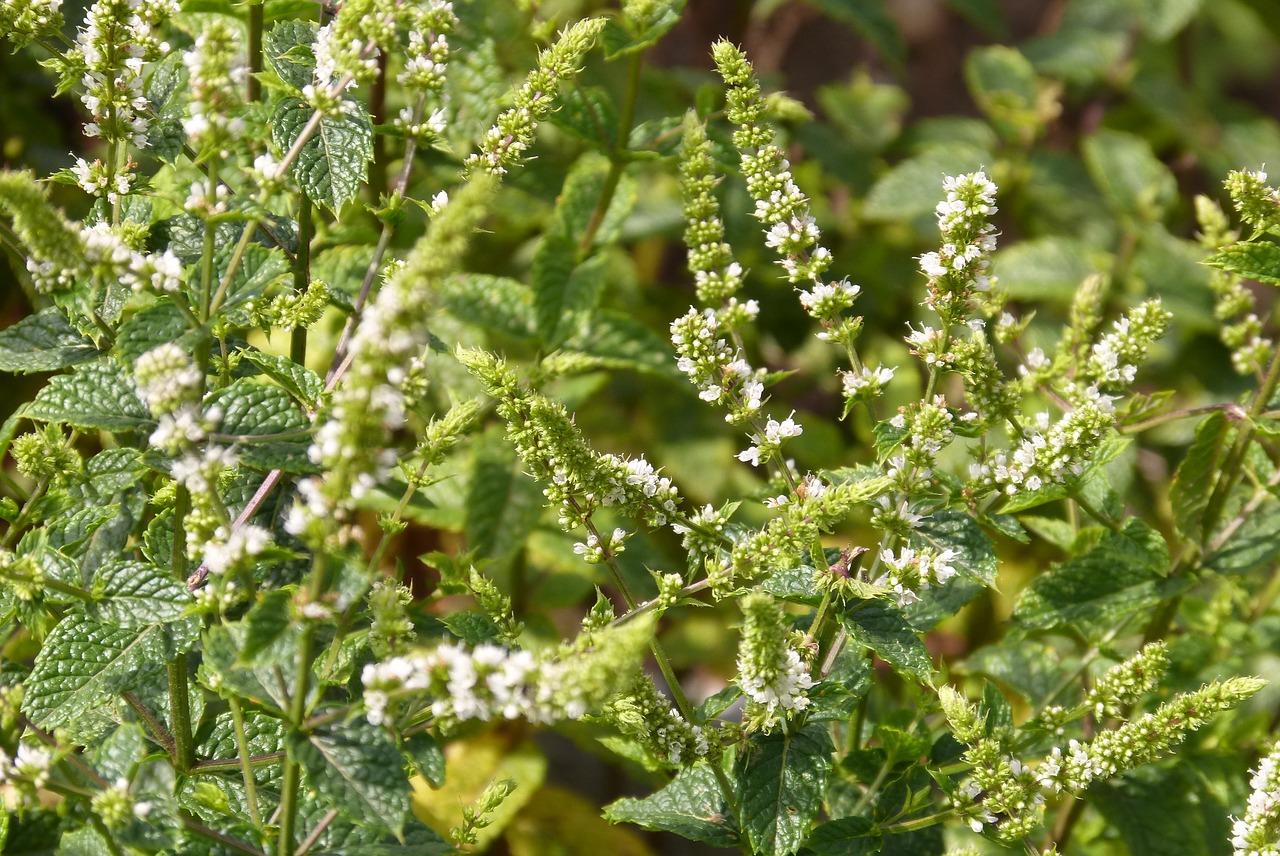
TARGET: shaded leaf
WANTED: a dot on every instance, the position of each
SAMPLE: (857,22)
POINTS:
(882,627)
(43,342)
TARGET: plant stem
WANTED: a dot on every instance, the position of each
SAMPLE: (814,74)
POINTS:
(298,710)
(180,714)
(154,725)
(253,87)
(246,766)
(617,162)
(301,278)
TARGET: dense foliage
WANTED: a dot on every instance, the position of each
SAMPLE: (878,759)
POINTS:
(376,435)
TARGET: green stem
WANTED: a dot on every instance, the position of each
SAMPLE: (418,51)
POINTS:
(253,87)
(180,713)
(298,711)
(301,278)
(916,823)
(617,162)
(222,765)
(246,765)
(154,725)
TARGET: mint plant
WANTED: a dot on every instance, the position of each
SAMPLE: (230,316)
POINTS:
(345,281)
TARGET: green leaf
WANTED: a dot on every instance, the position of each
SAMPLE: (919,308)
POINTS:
(503,504)
(150,327)
(333,163)
(986,15)
(299,381)
(95,395)
(1005,87)
(1132,179)
(136,594)
(427,757)
(289,47)
(588,113)
(357,770)
(1165,18)
(1195,477)
(259,267)
(497,303)
(43,342)
(1123,574)
(256,409)
(632,33)
(845,836)
(1045,268)
(782,779)
(1258,260)
(615,340)
(264,623)
(84,661)
(692,806)
(1250,546)
(882,627)
(913,187)
(1165,809)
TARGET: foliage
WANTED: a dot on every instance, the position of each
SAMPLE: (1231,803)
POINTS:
(358,387)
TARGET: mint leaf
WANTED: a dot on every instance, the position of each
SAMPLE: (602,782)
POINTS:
(495,303)
(1132,179)
(975,562)
(615,340)
(42,343)
(881,627)
(911,188)
(845,836)
(692,805)
(503,504)
(299,381)
(265,621)
(1196,475)
(635,32)
(333,163)
(83,661)
(1123,574)
(357,770)
(1259,260)
(781,782)
(256,409)
(154,325)
(95,395)
(289,47)
(136,594)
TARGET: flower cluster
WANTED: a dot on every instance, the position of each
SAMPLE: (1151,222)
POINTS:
(1142,740)
(1048,452)
(573,475)
(116,39)
(503,145)
(765,445)
(643,714)
(959,266)
(456,683)
(26,20)
(216,73)
(425,68)
(351,442)
(346,51)
(1257,202)
(168,379)
(770,670)
(27,771)
(908,571)
(1113,361)
(779,204)
(1124,684)
(117,807)
(1258,832)
(714,366)
(1235,306)
(594,550)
